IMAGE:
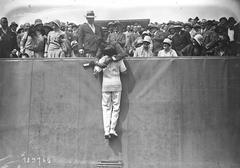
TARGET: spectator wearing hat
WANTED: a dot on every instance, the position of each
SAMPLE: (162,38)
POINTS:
(233,34)
(20,35)
(32,43)
(223,21)
(167,50)
(128,42)
(89,36)
(135,34)
(117,35)
(180,38)
(54,42)
(13,26)
(8,39)
(110,27)
(210,36)
(187,27)
(195,48)
(157,38)
(195,30)
(144,50)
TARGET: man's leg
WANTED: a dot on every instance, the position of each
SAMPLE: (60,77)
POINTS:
(106,109)
(116,98)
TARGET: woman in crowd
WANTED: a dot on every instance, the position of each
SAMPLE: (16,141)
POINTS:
(55,39)
(167,50)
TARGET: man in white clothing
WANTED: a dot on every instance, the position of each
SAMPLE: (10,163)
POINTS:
(111,91)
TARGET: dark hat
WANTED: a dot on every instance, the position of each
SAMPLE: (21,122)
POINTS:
(187,24)
(232,20)
(222,18)
(13,24)
(90,15)
(196,18)
(196,25)
(38,22)
(109,50)
(74,25)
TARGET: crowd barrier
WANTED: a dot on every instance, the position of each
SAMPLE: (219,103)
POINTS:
(175,113)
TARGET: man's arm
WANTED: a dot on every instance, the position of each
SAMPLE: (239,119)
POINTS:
(80,37)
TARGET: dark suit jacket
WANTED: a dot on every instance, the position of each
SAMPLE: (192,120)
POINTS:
(8,42)
(88,40)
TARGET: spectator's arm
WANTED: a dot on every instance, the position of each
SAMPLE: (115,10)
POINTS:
(80,37)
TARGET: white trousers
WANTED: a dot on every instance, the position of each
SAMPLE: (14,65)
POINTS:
(110,109)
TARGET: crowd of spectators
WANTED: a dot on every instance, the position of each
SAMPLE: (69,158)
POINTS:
(56,39)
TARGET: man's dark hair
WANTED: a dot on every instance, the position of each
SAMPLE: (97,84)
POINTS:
(109,50)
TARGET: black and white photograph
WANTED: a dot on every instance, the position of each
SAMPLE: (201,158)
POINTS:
(120,84)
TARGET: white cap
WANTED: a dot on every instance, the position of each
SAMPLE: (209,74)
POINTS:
(167,41)
(147,39)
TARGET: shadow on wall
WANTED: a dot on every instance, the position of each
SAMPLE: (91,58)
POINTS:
(128,83)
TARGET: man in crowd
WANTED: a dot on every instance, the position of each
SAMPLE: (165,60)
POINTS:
(180,39)
(233,34)
(117,35)
(13,26)
(8,39)
(89,36)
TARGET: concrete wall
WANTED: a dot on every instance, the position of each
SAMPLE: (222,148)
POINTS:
(175,113)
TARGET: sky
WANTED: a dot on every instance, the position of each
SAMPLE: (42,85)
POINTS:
(23,11)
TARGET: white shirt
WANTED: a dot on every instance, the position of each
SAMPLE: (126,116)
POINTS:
(92,27)
(170,53)
(231,34)
(111,75)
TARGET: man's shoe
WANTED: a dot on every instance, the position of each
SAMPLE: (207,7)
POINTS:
(113,133)
(107,136)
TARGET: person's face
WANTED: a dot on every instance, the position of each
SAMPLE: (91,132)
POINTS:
(70,29)
(135,29)
(166,46)
(14,28)
(26,27)
(4,23)
(90,20)
(146,45)
(172,31)
(187,28)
